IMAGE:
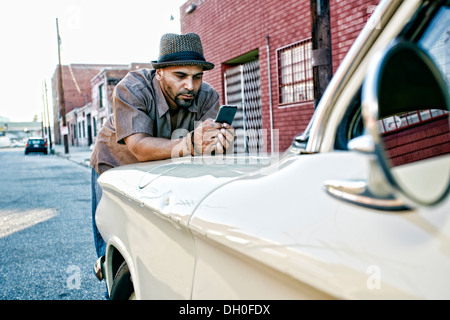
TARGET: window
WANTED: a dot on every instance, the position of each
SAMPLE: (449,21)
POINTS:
(295,75)
(102,95)
(404,120)
(94,124)
(84,129)
(434,41)
(419,129)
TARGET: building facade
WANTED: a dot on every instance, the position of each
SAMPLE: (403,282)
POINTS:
(87,94)
(263,60)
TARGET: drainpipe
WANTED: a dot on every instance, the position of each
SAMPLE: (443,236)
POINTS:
(272,148)
(244,120)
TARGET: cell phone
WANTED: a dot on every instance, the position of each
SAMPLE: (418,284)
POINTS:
(226,114)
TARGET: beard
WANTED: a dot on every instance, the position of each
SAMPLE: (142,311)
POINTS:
(185,103)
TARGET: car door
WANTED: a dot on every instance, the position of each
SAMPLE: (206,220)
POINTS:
(281,233)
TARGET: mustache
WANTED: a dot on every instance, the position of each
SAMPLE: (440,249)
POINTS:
(190,92)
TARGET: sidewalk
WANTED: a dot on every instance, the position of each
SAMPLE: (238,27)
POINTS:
(78,155)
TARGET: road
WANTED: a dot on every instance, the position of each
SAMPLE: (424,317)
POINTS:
(46,246)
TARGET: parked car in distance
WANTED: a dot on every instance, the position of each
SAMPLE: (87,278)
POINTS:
(357,208)
(36,144)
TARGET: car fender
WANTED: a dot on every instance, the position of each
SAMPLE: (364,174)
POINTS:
(146,208)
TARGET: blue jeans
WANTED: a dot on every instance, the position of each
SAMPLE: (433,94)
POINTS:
(100,245)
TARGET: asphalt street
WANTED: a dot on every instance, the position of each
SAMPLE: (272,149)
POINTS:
(46,246)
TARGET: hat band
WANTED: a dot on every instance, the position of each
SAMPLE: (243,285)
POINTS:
(181,56)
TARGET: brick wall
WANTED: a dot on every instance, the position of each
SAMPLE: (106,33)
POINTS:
(418,142)
(77,90)
(77,84)
(81,87)
(109,79)
(231,28)
(347,20)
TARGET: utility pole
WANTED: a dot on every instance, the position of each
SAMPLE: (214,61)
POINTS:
(61,94)
(321,47)
(43,131)
(44,116)
(44,125)
(48,119)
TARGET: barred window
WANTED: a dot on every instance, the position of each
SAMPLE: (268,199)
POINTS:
(404,120)
(295,75)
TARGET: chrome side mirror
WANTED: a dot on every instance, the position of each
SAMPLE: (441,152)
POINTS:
(405,105)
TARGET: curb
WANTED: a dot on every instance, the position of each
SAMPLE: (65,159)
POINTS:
(85,162)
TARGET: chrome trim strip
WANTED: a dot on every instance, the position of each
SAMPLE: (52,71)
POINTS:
(357,192)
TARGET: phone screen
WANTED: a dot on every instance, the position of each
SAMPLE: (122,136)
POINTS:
(226,114)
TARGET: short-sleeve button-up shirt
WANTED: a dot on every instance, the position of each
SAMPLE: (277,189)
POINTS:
(139,106)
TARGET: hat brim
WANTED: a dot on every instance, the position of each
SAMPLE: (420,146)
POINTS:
(204,64)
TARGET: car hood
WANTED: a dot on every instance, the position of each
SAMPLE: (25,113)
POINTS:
(174,188)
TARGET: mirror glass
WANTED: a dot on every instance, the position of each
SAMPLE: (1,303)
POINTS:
(413,109)
(417,150)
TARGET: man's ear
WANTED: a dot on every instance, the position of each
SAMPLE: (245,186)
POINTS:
(159,73)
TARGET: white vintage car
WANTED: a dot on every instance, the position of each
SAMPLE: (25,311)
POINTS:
(357,208)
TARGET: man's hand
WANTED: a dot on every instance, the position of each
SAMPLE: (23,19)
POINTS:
(227,136)
(211,136)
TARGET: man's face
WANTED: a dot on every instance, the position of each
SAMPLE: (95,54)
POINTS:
(180,84)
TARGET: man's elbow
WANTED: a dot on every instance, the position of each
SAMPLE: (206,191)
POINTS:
(140,157)
(134,143)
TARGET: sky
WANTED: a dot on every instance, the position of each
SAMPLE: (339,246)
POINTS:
(91,31)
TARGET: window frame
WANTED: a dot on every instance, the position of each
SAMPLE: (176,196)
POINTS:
(301,67)
(102,95)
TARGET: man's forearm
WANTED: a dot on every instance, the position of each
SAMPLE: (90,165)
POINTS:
(147,148)
(209,136)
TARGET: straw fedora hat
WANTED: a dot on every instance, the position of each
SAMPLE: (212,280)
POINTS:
(181,50)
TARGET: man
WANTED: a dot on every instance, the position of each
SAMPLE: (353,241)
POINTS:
(160,113)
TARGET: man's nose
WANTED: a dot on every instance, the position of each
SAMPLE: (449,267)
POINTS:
(189,84)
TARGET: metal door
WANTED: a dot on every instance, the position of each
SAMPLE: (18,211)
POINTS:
(243,89)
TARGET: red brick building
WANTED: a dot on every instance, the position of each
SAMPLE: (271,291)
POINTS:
(87,95)
(77,90)
(241,37)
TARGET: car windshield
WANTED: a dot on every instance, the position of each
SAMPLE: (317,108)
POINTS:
(435,40)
